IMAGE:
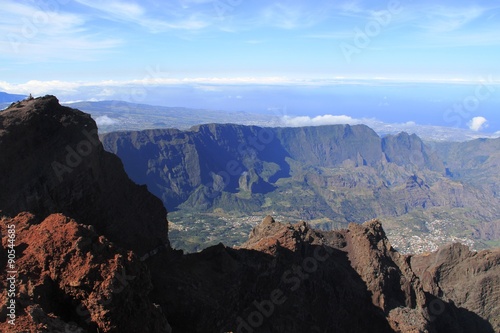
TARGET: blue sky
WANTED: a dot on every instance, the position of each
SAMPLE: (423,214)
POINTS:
(89,49)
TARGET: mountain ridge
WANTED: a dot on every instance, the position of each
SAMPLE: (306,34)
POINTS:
(288,278)
(329,175)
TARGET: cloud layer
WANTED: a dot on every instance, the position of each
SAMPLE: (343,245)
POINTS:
(105,121)
(477,123)
(327,119)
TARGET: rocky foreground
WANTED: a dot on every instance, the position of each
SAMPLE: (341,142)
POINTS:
(92,255)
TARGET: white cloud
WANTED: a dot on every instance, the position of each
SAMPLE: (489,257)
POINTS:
(346,34)
(445,19)
(477,123)
(437,133)
(351,7)
(115,89)
(115,8)
(131,12)
(293,16)
(30,33)
(105,121)
(326,119)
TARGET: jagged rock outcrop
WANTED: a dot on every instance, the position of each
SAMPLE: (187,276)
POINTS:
(285,279)
(393,287)
(71,279)
(471,280)
(56,163)
(349,280)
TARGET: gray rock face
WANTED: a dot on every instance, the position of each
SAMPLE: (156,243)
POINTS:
(175,164)
(337,173)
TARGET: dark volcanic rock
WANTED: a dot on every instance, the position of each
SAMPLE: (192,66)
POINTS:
(55,163)
(290,278)
(471,280)
(284,280)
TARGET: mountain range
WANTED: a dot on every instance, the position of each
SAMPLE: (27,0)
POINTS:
(332,175)
(9,98)
(92,254)
(6,99)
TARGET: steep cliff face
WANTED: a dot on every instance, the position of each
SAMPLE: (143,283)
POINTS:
(196,166)
(56,163)
(404,149)
(330,146)
(327,175)
(475,161)
(204,161)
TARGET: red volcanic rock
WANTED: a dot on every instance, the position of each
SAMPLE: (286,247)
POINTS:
(415,294)
(70,279)
(386,273)
(270,235)
(394,287)
(56,164)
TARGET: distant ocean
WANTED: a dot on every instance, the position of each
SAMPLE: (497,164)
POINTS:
(451,105)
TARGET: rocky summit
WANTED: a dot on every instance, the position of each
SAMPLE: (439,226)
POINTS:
(51,160)
(92,255)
